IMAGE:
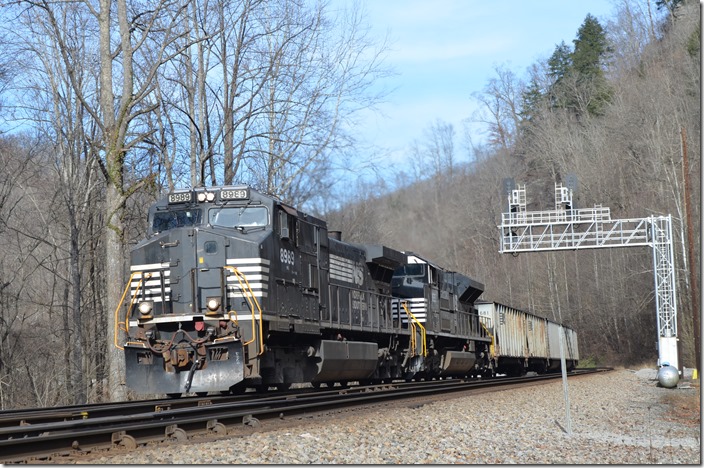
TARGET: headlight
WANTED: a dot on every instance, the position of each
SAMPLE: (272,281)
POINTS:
(145,307)
(203,196)
(213,303)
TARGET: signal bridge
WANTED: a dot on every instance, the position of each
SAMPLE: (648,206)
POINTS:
(568,228)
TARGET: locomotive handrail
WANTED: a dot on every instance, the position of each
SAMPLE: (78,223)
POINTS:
(252,300)
(491,346)
(413,333)
(122,300)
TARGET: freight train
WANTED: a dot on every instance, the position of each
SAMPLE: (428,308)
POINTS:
(234,289)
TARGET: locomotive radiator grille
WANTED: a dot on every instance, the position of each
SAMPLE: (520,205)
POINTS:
(256,270)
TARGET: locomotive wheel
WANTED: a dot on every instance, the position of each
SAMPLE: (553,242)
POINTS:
(201,394)
(283,386)
(173,395)
(315,385)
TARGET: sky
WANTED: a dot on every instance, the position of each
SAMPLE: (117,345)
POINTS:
(444,50)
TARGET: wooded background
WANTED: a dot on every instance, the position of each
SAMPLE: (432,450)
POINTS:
(106,105)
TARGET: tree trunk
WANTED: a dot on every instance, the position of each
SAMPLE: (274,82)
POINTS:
(114,278)
(78,338)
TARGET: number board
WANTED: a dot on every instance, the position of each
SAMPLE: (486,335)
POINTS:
(181,197)
(235,194)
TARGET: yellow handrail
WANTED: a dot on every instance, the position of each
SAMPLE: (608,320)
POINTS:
(491,345)
(233,320)
(119,305)
(413,331)
(252,300)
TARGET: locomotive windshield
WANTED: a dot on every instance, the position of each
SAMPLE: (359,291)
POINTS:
(165,220)
(239,217)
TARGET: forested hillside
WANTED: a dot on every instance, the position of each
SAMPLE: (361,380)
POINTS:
(617,107)
(105,106)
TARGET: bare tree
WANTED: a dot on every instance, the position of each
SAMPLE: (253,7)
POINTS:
(268,93)
(500,110)
(132,43)
(435,154)
(75,163)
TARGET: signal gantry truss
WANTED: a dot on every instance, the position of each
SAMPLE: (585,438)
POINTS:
(568,228)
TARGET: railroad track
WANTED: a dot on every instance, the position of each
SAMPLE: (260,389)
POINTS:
(46,433)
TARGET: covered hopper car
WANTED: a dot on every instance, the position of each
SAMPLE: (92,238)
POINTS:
(523,342)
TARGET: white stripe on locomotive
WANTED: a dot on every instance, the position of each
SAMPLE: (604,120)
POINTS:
(418,306)
(255,270)
(150,290)
(149,266)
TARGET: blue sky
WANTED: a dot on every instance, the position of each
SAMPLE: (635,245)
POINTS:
(445,50)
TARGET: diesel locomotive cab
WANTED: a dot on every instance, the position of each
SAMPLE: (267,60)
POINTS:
(192,306)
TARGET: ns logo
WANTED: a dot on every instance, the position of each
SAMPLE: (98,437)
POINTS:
(358,275)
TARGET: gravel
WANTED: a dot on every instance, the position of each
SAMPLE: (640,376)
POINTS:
(616,418)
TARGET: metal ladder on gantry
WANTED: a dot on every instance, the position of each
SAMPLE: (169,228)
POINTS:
(567,228)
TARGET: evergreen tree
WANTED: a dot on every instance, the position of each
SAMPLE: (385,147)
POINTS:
(531,99)
(577,78)
(560,62)
(590,49)
(560,70)
(693,42)
(669,5)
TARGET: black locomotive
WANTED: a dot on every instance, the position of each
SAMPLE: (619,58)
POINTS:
(233,289)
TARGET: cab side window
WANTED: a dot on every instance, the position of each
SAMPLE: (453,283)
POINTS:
(287,227)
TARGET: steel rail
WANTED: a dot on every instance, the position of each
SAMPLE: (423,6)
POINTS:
(47,440)
(22,417)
